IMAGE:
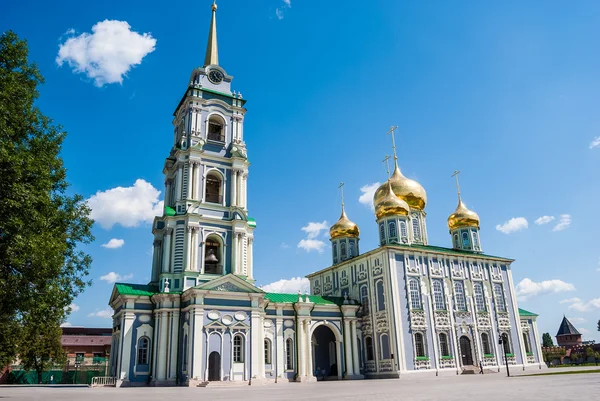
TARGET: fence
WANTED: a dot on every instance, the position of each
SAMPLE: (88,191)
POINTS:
(104,381)
(83,375)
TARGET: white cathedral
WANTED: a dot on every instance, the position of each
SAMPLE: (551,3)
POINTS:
(404,308)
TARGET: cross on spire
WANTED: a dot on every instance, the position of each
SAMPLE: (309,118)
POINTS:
(455,175)
(387,164)
(212,50)
(341,188)
(391,131)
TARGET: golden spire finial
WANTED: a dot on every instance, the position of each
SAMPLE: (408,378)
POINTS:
(392,132)
(455,175)
(212,50)
(387,164)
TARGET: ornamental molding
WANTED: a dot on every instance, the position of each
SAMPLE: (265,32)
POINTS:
(418,320)
(377,271)
(422,364)
(503,321)
(446,363)
(228,287)
(442,319)
(525,327)
(362,275)
(483,320)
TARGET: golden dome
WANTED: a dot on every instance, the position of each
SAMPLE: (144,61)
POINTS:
(463,217)
(390,204)
(406,189)
(344,227)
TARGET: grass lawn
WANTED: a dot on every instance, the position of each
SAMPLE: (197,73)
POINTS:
(569,372)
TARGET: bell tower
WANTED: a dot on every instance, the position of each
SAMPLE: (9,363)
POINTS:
(205,231)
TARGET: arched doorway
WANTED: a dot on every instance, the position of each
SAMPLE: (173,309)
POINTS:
(465,351)
(324,353)
(214,366)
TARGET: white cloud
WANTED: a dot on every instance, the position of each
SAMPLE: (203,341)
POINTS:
(279,10)
(284,245)
(312,245)
(582,306)
(106,313)
(528,288)
(595,142)
(114,243)
(368,191)
(512,225)
(313,229)
(544,220)
(74,307)
(576,319)
(563,222)
(291,286)
(127,206)
(113,277)
(108,53)
(66,324)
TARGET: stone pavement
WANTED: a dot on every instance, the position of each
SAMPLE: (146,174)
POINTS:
(493,387)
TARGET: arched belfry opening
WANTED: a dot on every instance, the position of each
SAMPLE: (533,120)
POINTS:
(324,353)
(214,188)
(213,255)
(216,129)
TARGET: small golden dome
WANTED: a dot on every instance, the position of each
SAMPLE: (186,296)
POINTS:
(406,189)
(344,227)
(390,204)
(463,217)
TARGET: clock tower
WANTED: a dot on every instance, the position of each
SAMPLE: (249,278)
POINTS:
(205,231)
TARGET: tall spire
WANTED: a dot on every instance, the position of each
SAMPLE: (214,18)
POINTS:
(212,51)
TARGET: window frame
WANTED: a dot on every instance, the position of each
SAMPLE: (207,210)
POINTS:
(289,354)
(415,294)
(444,343)
(439,299)
(460,301)
(479,297)
(499,297)
(238,348)
(419,340)
(143,352)
(485,344)
(267,351)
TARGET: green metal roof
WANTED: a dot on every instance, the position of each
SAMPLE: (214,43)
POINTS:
(523,312)
(448,250)
(291,298)
(251,222)
(136,289)
(169,211)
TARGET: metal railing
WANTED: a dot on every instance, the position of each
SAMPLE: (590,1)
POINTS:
(104,381)
(216,136)
(213,198)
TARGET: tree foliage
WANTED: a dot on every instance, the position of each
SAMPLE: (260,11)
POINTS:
(547,340)
(41,225)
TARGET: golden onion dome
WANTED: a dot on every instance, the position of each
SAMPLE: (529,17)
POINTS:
(463,217)
(390,204)
(406,189)
(344,227)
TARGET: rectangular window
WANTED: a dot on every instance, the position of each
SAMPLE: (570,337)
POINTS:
(499,295)
(479,299)
(238,349)
(289,354)
(459,296)
(438,295)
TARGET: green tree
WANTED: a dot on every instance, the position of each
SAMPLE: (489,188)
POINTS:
(547,340)
(42,268)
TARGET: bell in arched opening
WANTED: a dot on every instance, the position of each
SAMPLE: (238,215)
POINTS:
(211,258)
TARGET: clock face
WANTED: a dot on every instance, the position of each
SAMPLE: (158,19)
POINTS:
(215,76)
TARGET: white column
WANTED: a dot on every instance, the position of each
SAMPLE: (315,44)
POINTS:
(155,341)
(201,249)
(355,350)
(245,191)
(161,354)
(195,233)
(166,250)
(261,354)
(190,179)
(174,344)
(249,260)
(309,355)
(234,258)
(179,182)
(167,192)
(196,360)
(233,187)
(155,260)
(188,249)
(196,181)
(127,328)
(255,334)
(302,350)
(338,361)
(348,349)
(280,348)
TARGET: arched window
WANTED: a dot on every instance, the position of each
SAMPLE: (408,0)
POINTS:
(403,232)
(213,188)
(526,342)
(213,263)
(380,296)
(475,239)
(334,247)
(216,129)
(364,299)
(416,227)
(385,346)
(342,250)
(499,295)
(479,299)
(459,295)
(485,344)
(142,351)
(456,241)
(415,294)
(351,249)
(289,354)
(382,233)
(444,349)
(420,345)
(506,343)
(465,239)
(369,348)
(392,229)
(438,295)
(238,348)
(267,351)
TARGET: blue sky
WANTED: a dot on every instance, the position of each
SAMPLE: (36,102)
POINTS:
(506,92)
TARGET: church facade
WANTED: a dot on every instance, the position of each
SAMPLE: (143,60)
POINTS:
(405,307)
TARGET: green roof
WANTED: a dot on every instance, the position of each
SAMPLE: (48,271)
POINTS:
(523,312)
(291,298)
(136,289)
(169,211)
(251,222)
(448,250)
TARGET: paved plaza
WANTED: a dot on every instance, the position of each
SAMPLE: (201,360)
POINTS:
(473,387)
